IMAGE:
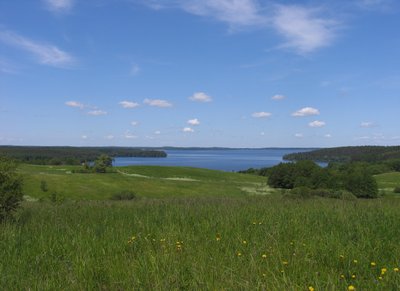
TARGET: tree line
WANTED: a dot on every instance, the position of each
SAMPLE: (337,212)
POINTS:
(72,155)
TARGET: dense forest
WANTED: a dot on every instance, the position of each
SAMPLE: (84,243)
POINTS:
(50,155)
(369,154)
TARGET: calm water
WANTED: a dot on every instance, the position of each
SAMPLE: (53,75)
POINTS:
(226,160)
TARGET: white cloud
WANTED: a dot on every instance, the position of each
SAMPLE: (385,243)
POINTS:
(261,114)
(157,102)
(135,70)
(306,111)
(278,97)
(157,132)
(233,12)
(84,137)
(134,123)
(299,135)
(59,5)
(193,122)
(188,129)
(262,133)
(128,104)
(74,104)
(200,97)
(317,123)
(109,137)
(367,124)
(303,29)
(328,135)
(129,135)
(97,112)
(45,54)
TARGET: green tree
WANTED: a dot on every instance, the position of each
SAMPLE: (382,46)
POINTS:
(102,163)
(360,182)
(10,188)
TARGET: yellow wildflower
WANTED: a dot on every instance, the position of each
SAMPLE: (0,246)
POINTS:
(355,261)
(341,257)
(264,256)
(311,288)
(380,278)
(351,288)
(353,276)
(244,242)
(285,263)
(342,276)
(396,270)
(383,271)
(373,264)
(239,254)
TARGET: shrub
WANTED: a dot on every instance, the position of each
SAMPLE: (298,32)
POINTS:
(123,195)
(361,183)
(397,189)
(301,192)
(10,188)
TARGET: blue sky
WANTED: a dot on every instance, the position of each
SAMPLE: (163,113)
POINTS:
(236,73)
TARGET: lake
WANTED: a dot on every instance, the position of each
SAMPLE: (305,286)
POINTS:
(216,159)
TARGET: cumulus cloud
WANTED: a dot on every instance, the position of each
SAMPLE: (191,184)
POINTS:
(261,114)
(299,135)
(59,5)
(45,54)
(278,97)
(75,104)
(97,112)
(134,123)
(328,135)
(303,29)
(157,102)
(306,111)
(317,123)
(193,122)
(188,129)
(157,132)
(84,137)
(200,97)
(128,104)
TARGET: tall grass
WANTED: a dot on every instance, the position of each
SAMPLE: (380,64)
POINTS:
(268,243)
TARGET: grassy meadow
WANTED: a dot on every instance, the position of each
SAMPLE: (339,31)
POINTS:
(195,229)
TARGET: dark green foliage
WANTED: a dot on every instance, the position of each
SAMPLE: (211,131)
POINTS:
(43,186)
(301,192)
(102,163)
(71,155)
(397,189)
(360,182)
(282,176)
(10,188)
(123,195)
(349,154)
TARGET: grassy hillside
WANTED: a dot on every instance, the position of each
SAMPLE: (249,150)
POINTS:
(145,181)
(203,243)
(388,181)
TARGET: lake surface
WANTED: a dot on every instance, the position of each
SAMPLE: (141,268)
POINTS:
(216,159)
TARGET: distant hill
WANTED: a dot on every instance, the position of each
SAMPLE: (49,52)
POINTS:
(53,155)
(348,154)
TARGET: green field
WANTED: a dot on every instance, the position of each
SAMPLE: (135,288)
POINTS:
(195,229)
(145,181)
(388,181)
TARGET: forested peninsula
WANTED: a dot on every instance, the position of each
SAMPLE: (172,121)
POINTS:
(53,155)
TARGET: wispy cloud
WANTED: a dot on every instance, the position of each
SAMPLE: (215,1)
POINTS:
(129,135)
(109,137)
(97,112)
(328,135)
(233,12)
(134,123)
(75,104)
(306,111)
(261,114)
(45,54)
(299,135)
(367,124)
(317,123)
(278,97)
(157,102)
(193,122)
(305,31)
(135,70)
(128,104)
(188,129)
(59,5)
(200,97)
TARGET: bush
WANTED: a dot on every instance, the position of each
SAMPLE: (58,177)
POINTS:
(301,192)
(123,195)
(397,189)
(361,183)
(10,188)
